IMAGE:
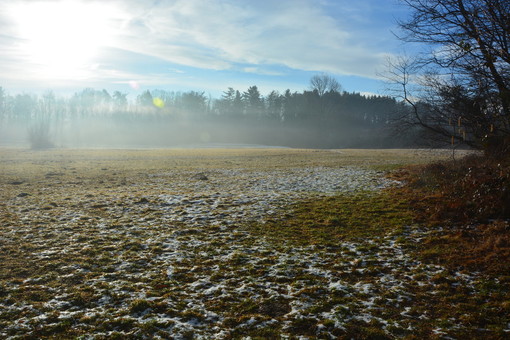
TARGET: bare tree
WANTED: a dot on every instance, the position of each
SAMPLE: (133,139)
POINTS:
(324,83)
(321,85)
(466,72)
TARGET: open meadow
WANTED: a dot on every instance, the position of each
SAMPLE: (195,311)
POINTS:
(221,244)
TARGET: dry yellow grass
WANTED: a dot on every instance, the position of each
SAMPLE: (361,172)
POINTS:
(222,243)
(21,162)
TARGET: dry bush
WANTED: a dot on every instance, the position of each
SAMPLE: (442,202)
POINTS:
(473,189)
(470,199)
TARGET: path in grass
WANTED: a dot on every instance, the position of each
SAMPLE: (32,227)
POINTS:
(182,252)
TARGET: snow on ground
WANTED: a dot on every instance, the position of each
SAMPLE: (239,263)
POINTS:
(170,256)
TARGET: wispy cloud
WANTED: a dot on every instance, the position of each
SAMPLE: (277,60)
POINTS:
(225,35)
(220,34)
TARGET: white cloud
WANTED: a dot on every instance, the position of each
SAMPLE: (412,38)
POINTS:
(262,71)
(220,34)
(235,35)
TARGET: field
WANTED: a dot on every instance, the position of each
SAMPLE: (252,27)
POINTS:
(224,243)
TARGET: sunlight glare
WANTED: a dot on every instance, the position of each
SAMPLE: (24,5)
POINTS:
(62,38)
(158,102)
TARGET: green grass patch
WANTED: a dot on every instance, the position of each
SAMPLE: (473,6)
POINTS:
(327,221)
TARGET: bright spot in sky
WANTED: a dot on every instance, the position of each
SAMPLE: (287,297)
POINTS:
(62,38)
(158,102)
(134,84)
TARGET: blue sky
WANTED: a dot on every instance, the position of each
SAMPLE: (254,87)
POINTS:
(200,45)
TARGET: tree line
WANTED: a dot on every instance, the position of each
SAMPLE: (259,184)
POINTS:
(323,116)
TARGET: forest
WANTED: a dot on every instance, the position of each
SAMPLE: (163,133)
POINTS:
(322,117)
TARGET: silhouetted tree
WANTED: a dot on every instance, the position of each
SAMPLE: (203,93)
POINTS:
(238,105)
(25,107)
(274,105)
(254,103)
(145,99)
(323,83)
(467,87)
(225,105)
(120,100)
(194,103)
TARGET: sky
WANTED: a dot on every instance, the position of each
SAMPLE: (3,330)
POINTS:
(195,45)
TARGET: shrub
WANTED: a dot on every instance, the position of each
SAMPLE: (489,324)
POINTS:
(470,199)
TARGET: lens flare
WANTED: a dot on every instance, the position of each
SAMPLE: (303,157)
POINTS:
(134,84)
(158,102)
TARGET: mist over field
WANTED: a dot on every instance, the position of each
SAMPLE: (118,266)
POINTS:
(323,117)
(101,133)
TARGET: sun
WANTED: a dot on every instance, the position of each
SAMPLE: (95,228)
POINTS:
(62,37)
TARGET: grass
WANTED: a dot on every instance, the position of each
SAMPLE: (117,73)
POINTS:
(469,199)
(464,204)
(95,247)
(328,221)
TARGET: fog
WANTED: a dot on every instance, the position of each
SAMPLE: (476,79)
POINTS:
(319,118)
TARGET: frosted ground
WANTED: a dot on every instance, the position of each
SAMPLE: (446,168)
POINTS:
(103,244)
